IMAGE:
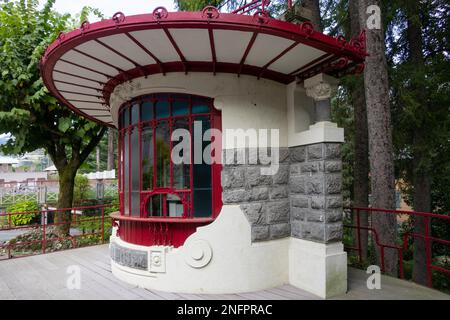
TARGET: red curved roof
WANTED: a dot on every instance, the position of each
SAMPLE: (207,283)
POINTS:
(82,67)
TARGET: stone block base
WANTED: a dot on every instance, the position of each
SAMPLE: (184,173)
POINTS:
(318,268)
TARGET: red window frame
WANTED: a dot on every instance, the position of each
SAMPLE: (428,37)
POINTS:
(186,195)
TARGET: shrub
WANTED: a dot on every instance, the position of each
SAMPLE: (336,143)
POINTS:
(441,280)
(81,189)
(23,219)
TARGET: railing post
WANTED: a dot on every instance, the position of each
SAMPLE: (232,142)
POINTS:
(103,224)
(358,228)
(426,220)
(44,236)
(9,227)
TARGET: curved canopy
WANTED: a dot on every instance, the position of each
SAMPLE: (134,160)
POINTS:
(82,68)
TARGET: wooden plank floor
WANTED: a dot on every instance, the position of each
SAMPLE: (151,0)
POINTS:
(45,277)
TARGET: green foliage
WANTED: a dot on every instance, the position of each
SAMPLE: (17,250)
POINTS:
(90,165)
(92,224)
(196,5)
(114,206)
(275,6)
(441,280)
(342,114)
(81,190)
(34,117)
(22,207)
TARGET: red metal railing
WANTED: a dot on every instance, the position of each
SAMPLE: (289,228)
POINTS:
(429,239)
(156,231)
(78,217)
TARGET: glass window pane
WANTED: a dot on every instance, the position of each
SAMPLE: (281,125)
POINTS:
(147,111)
(174,206)
(135,114)
(181,176)
(179,96)
(126,117)
(202,203)
(202,178)
(162,109)
(126,179)
(162,155)
(202,172)
(180,108)
(155,206)
(161,96)
(147,158)
(135,210)
(200,106)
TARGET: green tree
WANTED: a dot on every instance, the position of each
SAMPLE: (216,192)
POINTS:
(27,110)
(196,5)
(275,7)
(421,98)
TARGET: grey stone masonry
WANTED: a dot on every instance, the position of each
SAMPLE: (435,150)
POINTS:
(263,198)
(303,199)
(315,184)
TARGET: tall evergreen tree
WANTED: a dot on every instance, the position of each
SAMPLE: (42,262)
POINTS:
(381,152)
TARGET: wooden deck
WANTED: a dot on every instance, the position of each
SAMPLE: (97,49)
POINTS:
(45,277)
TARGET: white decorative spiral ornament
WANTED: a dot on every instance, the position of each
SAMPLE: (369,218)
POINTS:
(197,253)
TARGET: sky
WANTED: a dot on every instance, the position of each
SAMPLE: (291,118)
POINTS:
(4,138)
(109,7)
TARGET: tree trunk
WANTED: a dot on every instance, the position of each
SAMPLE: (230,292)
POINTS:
(421,171)
(361,164)
(110,164)
(65,200)
(380,140)
(422,202)
(67,169)
(314,6)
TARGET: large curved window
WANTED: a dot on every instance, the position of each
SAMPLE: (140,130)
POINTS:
(151,183)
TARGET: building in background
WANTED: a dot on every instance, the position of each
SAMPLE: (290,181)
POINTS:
(7,163)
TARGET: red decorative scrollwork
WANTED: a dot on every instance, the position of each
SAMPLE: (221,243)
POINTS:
(308,28)
(118,17)
(210,12)
(340,64)
(262,17)
(160,13)
(359,68)
(359,43)
(342,41)
(84,26)
(116,224)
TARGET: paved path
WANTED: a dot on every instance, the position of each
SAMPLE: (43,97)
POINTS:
(45,277)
